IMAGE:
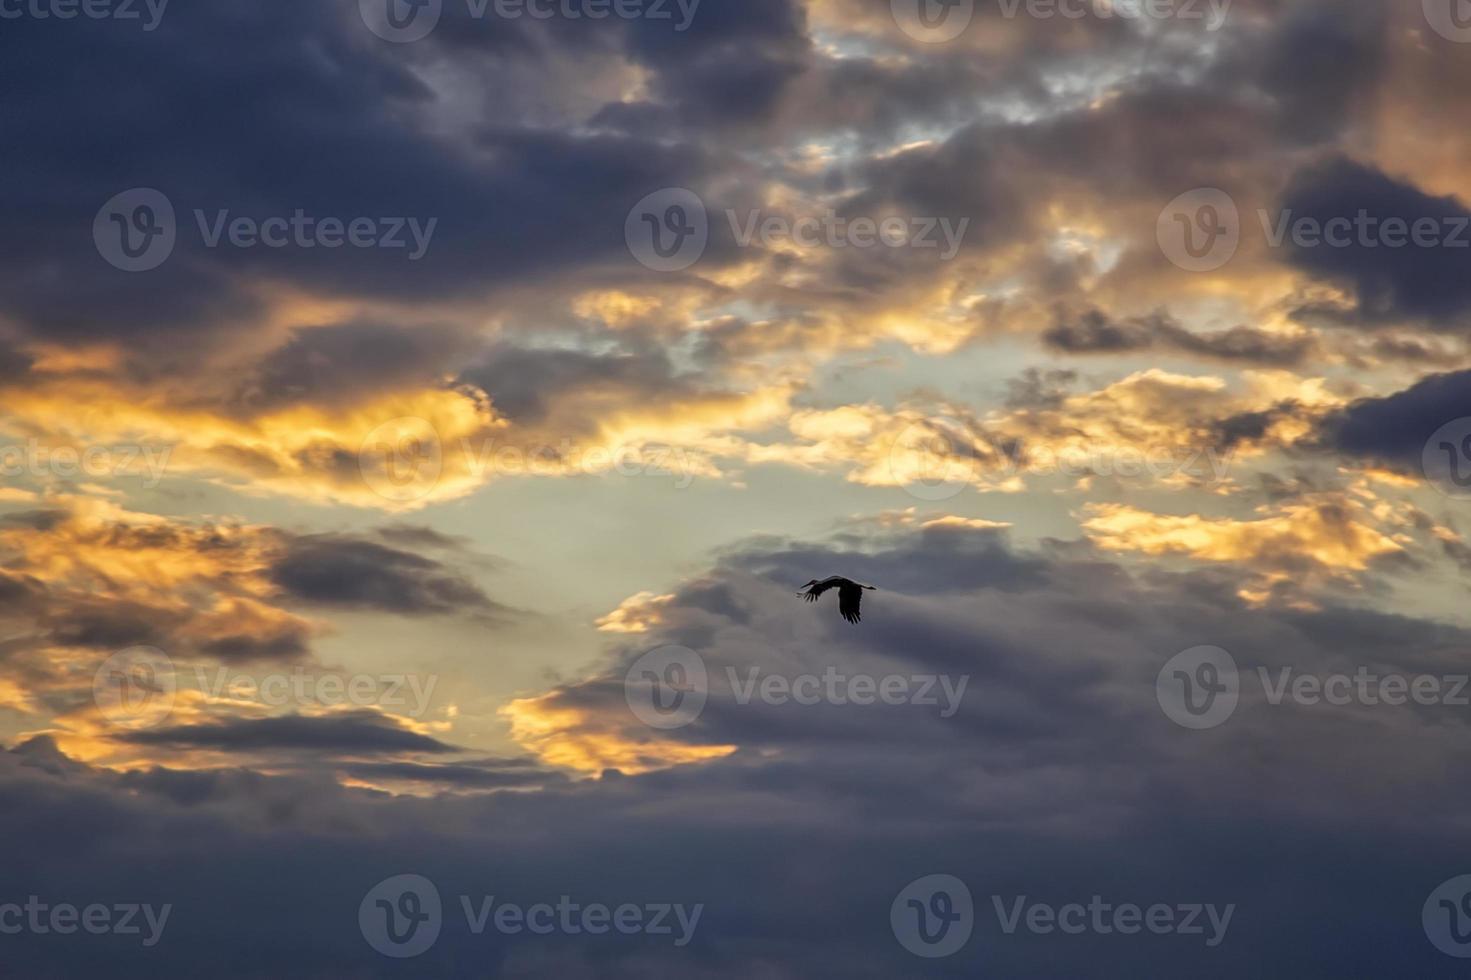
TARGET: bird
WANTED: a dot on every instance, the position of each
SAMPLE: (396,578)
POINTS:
(850,594)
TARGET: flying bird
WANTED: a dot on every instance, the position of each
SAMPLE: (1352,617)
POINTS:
(850,594)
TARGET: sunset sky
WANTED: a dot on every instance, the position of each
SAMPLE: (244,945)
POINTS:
(381,381)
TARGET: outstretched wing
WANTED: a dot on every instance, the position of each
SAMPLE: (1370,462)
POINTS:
(850,596)
(811,594)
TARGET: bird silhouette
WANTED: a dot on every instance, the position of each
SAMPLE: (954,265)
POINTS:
(850,594)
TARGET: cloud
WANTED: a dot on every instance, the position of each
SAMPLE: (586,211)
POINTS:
(1393,429)
(1059,755)
(89,579)
(636,614)
(1094,333)
(1388,284)
(1313,539)
(352,734)
(351,573)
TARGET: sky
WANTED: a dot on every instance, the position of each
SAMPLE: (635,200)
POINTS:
(419,417)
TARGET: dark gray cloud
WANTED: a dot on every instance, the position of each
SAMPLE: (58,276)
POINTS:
(1060,780)
(528,140)
(354,573)
(1389,285)
(526,385)
(486,774)
(1394,429)
(1094,332)
(352,734)
(212,134)
(340,364)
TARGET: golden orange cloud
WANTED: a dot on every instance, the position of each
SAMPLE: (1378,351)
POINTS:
(586,741)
